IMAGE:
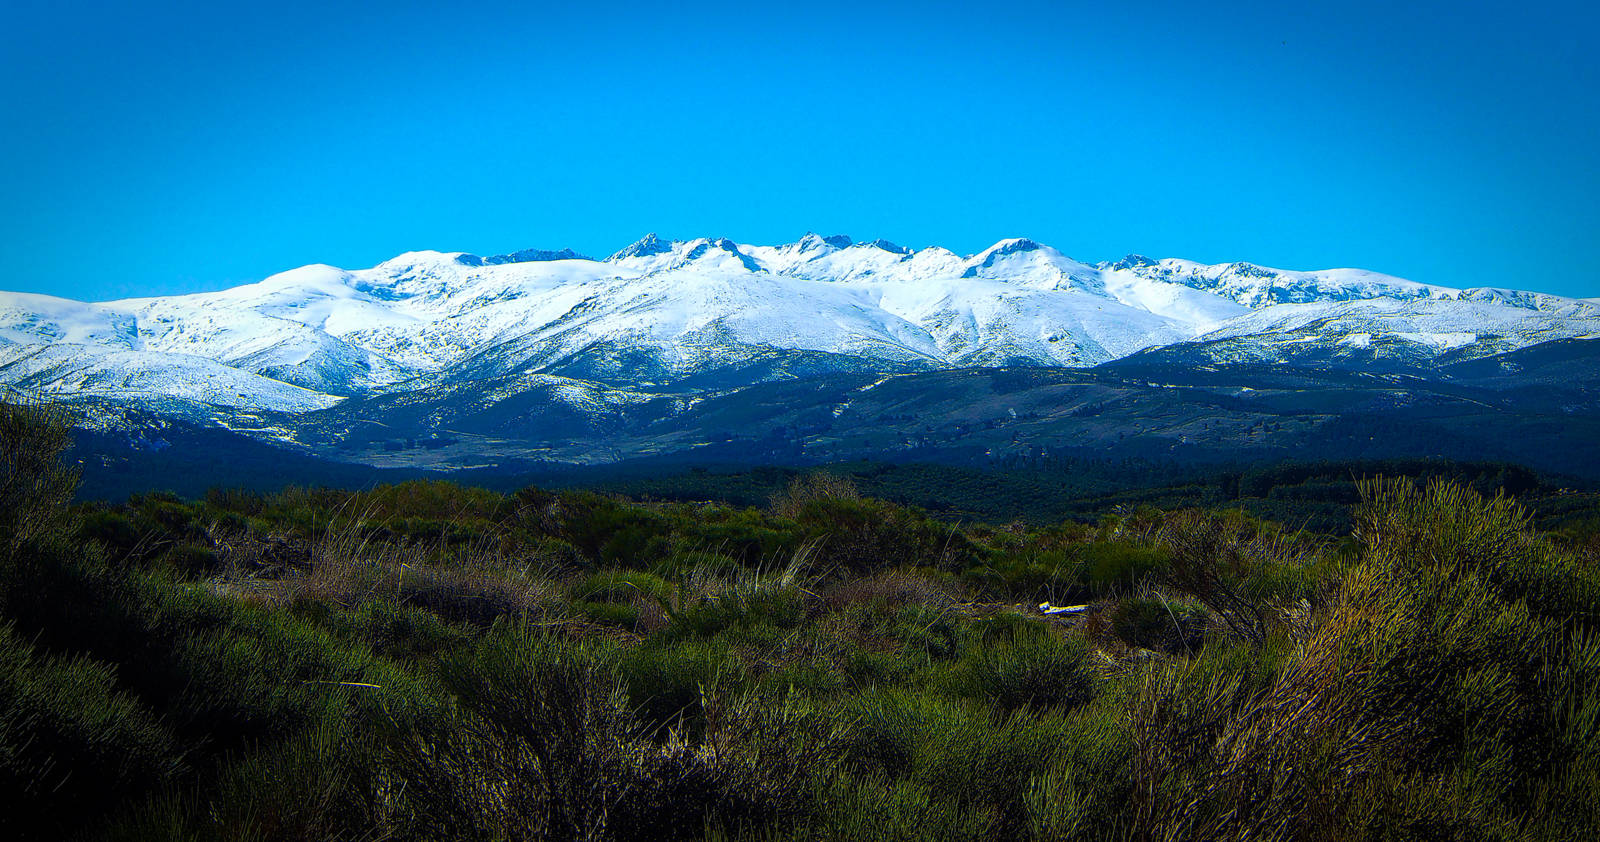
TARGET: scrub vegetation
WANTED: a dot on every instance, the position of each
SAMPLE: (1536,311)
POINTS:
(431,661)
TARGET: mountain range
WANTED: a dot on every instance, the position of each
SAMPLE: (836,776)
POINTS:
(557,356)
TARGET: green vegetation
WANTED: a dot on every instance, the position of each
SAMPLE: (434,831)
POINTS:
(1319,496)
(428,661)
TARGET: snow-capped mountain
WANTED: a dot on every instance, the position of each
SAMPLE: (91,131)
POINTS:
(685,316)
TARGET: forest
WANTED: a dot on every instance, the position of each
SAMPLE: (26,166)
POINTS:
(1335,651)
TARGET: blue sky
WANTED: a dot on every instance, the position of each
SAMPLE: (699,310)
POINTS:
(173,147)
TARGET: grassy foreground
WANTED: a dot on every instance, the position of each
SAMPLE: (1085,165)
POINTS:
(425,661)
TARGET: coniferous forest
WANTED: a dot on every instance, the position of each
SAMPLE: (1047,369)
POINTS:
(1399,651)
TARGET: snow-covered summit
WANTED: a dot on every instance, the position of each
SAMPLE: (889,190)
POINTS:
(651,255)
(645,246)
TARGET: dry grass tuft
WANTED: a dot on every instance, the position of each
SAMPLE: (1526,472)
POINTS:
(811,488)
(894,588)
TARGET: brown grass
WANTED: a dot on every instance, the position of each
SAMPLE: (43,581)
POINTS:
(812,487)
(345,566)
(894,587)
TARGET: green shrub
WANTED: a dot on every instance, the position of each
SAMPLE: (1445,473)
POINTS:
(171,519)
(932,632)
(622,586)
(1159,623)
(35,484)
(71,744)
(665,681)
(236,500)
(1241,569)
(538,747)
(1426,700)
(745,535)
(113,530)
(1083,792)
(1110,564)
(1054,575)
(606,531)
(191,560)
(956,749)
(435,501)
(873,807)
(553,555)
(817,487)
(402,632)
(326,782)
(862,536)
(1026,664)
(746,612)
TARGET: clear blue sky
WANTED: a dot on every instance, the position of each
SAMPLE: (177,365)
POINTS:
(156,148)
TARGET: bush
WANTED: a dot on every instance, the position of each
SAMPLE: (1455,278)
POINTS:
(681,564)
(401,632)
(956,750)
(71,745)
(1055,576)
(1158,623)
(114,531)
(1108,564)
(607,613)
(1243,570)
(324,783)
(735,611)
(1432,696)
(236,500)
(34,484)
(665,682)
(544,745)
(865,536)
(804,490)
(539,747)
(1025,664)
(192,560)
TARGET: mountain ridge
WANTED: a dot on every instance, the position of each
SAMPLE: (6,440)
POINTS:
(684,318)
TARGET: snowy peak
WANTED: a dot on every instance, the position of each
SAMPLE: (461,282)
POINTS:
(651,255)
(1016,245)
(719,253)
(834,258)
(1131,261)
(1029,263)
(813,241)
(647,246)
(1016,253)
